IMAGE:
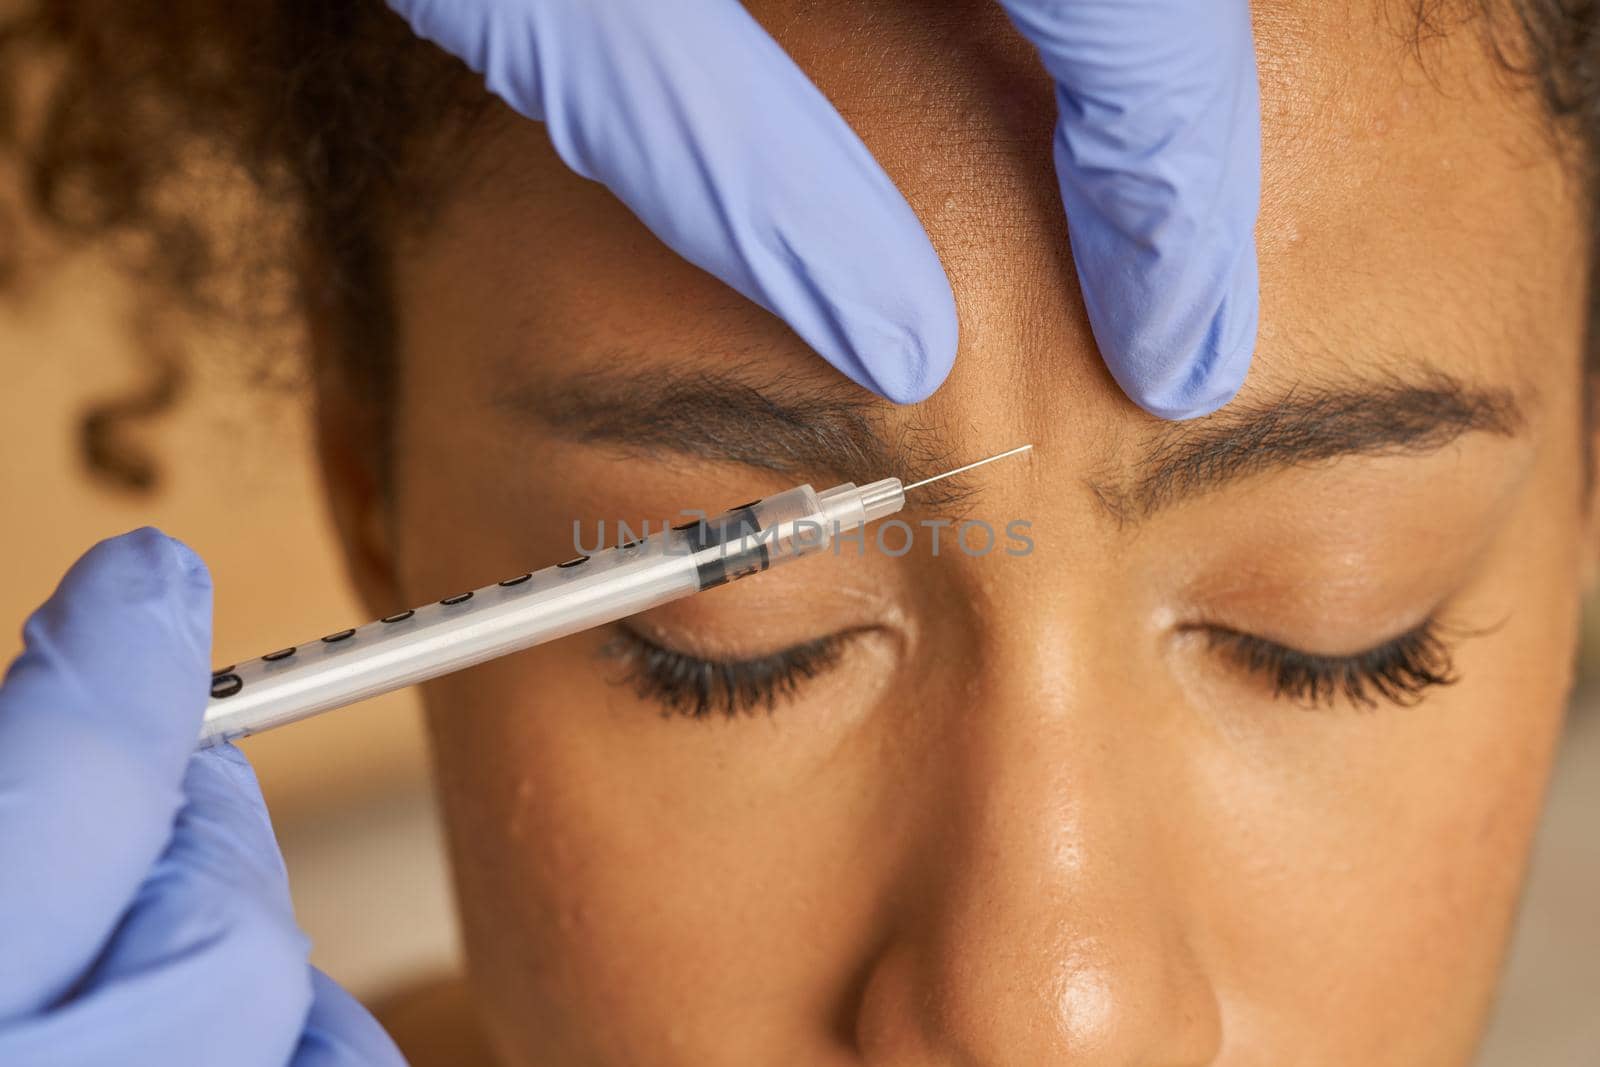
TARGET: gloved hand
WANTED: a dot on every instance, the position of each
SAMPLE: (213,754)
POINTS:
(695,118)
(144,913)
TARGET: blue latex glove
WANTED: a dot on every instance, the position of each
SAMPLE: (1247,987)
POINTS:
(144,913)
(694,117)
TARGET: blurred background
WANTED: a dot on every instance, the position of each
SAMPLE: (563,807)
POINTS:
(350,792)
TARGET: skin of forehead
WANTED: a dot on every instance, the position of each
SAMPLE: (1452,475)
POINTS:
(1380,157)
(1381,152)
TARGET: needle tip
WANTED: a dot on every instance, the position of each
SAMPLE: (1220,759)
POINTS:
(969,466)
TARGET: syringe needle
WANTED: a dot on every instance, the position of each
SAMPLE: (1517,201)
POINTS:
(969,466)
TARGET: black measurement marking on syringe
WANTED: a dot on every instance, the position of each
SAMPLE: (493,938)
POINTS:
(399,616)
(518,580)
(225,685)
(340,636)
(459,598)
(723,566)
(282,653)
(573,562)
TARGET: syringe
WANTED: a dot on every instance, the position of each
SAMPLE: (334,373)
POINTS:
(398,650)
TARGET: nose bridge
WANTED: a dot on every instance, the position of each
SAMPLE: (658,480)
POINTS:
(1048,928)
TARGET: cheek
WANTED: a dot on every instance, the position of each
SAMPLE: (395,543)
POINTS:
(562,862)
(622,876)
(1394,843)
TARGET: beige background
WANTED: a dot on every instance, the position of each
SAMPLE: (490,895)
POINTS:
(349,791)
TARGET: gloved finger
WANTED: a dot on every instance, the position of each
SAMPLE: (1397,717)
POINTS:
(208,965)
(97,719)
(695,118)
(340,1032)
(1158,154)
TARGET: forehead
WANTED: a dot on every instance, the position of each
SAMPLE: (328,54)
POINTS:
(1414,208)
(1414,213)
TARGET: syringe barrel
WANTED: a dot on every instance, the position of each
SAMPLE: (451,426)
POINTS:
(530,609)
(753,537)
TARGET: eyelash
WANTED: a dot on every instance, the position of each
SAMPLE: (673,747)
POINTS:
(1401,671)
(696,688)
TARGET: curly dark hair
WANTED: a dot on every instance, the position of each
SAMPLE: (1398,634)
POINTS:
(133,123)
(215,147)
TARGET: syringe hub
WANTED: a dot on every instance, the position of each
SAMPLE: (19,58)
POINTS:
(882,498)
(847,506)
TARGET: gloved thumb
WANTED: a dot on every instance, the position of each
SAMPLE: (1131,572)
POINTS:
(98,717)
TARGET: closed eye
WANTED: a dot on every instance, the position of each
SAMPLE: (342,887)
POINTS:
(1400,671)
(697,688)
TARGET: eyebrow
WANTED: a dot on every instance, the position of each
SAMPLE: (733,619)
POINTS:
(784,424)
(1309,424)
(744,415)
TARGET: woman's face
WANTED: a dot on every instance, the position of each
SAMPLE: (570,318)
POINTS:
(1137,796)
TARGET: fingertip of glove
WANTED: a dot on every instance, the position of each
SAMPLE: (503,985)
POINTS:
(135,606)
(1183,353)
(153,567)
(1182,407)
(188,560)
(1212,377)
(910,362)
(146,562)
(902,379)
